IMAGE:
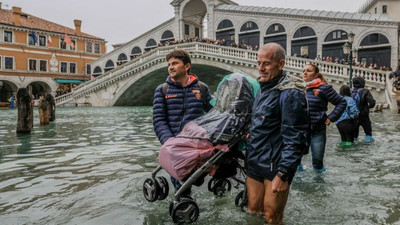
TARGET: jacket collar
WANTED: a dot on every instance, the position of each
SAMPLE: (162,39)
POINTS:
(192,80)
(315,83)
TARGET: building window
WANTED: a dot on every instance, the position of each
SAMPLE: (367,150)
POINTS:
(43,65)
(276,27)
(1,63)
(88,69)
(376,10)
(249,25)
(72,48)
(89,47)
(384,9)
(32,64)
(72,68)
(7,36)
(8,63)
(31,41)
(42,40)
(337,35)
(187,29)
(63,67)
(97,48)
(196,32)
(63,44)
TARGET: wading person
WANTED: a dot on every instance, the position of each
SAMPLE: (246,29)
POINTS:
(365,101)
(277,135)
(182,98)
(347,122)
(319,94)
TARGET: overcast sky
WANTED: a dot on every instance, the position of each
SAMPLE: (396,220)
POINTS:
(119,21)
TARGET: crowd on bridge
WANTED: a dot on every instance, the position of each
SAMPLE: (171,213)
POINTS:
(221,42)
(372,66)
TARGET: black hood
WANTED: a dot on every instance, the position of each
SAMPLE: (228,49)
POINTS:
(358,82)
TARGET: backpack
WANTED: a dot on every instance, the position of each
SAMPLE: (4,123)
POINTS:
(356,95)
(353,110)
(202,91)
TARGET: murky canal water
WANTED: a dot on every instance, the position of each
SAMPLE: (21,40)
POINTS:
(89,165)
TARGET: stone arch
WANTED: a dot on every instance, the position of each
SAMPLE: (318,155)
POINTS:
(167,36)
(122,58)
(304,42)
(109,65)
(193,13)
(39,88)
(276,32)
(375,48)
(136,51)
(97,71)
(249,33)
(333,44)
(225,30)
(7,89)
(150,44)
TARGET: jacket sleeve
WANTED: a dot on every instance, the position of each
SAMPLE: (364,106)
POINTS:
(294,129)
(340,103)
(160,116)
(370,99)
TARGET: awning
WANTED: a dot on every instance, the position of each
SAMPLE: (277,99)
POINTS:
(68,81)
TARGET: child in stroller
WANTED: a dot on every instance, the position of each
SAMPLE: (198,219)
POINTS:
(212,139)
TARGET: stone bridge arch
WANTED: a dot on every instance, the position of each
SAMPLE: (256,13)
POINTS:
(139,90)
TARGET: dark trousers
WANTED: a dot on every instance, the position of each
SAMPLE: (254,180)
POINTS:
(365,123)
(398,106)
(347,129)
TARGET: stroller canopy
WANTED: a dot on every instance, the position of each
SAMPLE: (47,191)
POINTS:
(231,112)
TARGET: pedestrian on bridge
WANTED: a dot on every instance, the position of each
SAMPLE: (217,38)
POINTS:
(181,99)
(319,94)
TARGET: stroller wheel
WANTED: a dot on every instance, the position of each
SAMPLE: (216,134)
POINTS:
(185,211)
(163,187)
(221,186)
(211,184)
(241,200)
(150,189)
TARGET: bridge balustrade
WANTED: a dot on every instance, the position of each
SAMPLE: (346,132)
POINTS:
(330,70)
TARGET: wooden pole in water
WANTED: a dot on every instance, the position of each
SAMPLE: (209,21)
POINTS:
(52,105)
(43,111)
(25,111)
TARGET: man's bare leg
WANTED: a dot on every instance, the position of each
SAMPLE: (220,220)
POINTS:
(274,203)
(255,194)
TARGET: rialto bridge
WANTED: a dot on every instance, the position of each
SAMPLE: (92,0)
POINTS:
(128,74)
(134,82)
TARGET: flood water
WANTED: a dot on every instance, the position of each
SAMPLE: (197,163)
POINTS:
(88,167)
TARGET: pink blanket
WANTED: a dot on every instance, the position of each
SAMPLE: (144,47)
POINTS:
(180,155)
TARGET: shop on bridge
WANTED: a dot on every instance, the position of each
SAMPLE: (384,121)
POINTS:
(304,43)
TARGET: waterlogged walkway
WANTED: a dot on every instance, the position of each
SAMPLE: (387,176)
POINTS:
(89,165)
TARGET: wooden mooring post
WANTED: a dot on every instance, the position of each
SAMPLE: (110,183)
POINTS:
(44,107)
(52,107)
(25,111)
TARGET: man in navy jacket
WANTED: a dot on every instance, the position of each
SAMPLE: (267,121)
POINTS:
(183,100)
(278,135)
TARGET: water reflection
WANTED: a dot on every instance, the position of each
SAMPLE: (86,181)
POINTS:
(89,165)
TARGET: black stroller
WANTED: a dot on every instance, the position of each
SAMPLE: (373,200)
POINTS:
(217,135)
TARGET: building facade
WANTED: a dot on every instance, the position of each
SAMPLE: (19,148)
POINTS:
(385,7)
(43,56)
